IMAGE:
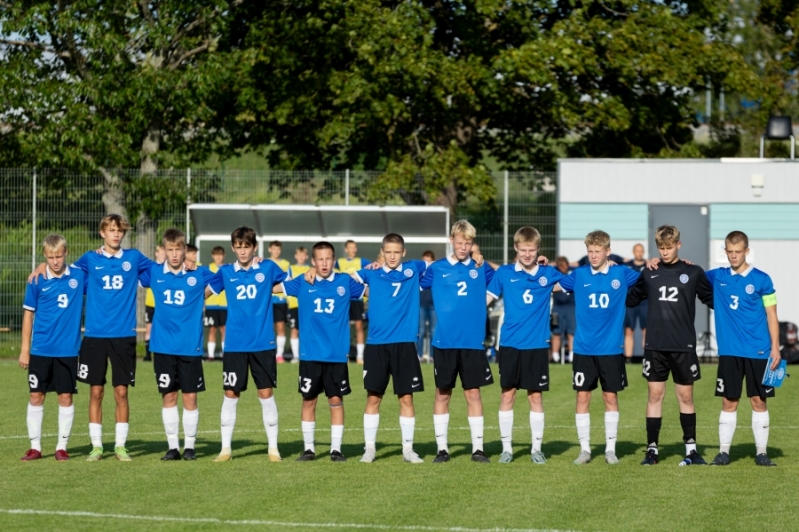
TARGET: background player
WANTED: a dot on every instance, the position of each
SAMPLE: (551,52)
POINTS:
(252,340)
(635,315)
(324,345)
(191,257)
(149,306)
(50,344)
(459,287)
(599,295)
(296,270)
(524,340)
(350,264)
(672,290)
(563,307)
(427,318)
(390,347)
(178,340)
(279,305)
(216,307)
(748,333)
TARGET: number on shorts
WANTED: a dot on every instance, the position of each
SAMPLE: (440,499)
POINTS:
(34,381)
(527,297)
(734,304)
(462,288)
(180,297)
(604,301)
(164,380)
(63,300)
(672,294)
(246,291)
(647,365)
(579,378)
(331,304)
(112,283)
(396,289)
(83,371)
(720,385)
(306,385)
(229,378)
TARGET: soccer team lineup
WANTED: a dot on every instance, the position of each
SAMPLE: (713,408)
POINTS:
(254,300)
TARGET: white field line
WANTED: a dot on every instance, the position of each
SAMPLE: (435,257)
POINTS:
(258,522)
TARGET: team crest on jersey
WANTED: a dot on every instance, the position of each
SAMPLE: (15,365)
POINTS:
(683,278)
(340,290)
(73,283)
(126,266)
(408,273)
(473,274)
(191,281)
(616,284)
(750,289)
(542,281)
(260,277)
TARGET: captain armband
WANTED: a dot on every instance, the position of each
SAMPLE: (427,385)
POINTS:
(770,300)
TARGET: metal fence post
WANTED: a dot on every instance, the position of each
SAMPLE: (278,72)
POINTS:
(505,223)
(347,186)
(33,247)
(188,202)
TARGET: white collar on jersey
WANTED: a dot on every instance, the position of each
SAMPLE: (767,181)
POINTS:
(744,273)
(167,270)
(237,267)
(49,274)
(520,268)
(602,271)
(117,255)
(397,269)
(332,276)
(453,261)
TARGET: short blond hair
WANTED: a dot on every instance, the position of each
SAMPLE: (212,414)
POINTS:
(598,238)
(464,229)
(53,243)
(736,237)
(527,235)
(666,236)
(121,222)
(174,236)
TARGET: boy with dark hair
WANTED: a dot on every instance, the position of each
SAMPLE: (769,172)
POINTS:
(216,307)
(296,270)
(349,264)
(279,303)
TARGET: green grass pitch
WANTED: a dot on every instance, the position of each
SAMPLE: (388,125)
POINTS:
(252,493)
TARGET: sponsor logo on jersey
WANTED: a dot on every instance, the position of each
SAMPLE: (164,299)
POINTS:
(683,278)
(191,281)
(408,272)
(260,277)
(126,266)
(340,290)
(542,281)
(750,289)
(473,274)
(46,288)
(616,284)
(73,283)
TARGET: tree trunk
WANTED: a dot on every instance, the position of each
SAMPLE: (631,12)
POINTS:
(114,198)
(449,198)
(145,227)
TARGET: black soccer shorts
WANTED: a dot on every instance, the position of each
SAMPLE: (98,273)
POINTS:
(176,372)
(357,310)
(470,364)
(52,374)
(398,361)
(294,318)
(731,373)
(331,377)
(95,354)
(149,312)
(524,369)
(607,370)
(683,366)
(262,364)
(215,317)
(280,312)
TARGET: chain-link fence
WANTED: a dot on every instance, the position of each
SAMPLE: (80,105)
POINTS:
(38,202)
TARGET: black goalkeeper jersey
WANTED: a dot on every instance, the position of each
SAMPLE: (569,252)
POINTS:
(672,290)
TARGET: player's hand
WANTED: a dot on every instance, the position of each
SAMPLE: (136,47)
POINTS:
(478,259)
(652,264)
(24,359)
(257,260)
(612,263)
(776,357)
(310,276)
(542,260)
(41,269)
(374,265)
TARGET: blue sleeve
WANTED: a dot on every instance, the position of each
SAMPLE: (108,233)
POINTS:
(711,275)
(768,285)
(420,266)
(292,287)
(217,283)
(32,295)
(145,263)
(83,262)
(365,262)
(364,275)
(567,283)
(427,278)
(208,277)
(145,278)
(489,272)
(631,276)
(278,275)
(556,276)
(495,286)
(356,289)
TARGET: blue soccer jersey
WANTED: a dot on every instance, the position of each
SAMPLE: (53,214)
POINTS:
(393,302)
(58,304)
(111,291)
(325,315)
(526,297)
(179,298)
(599,299)
(249,305)
(459,296)
(739,304)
